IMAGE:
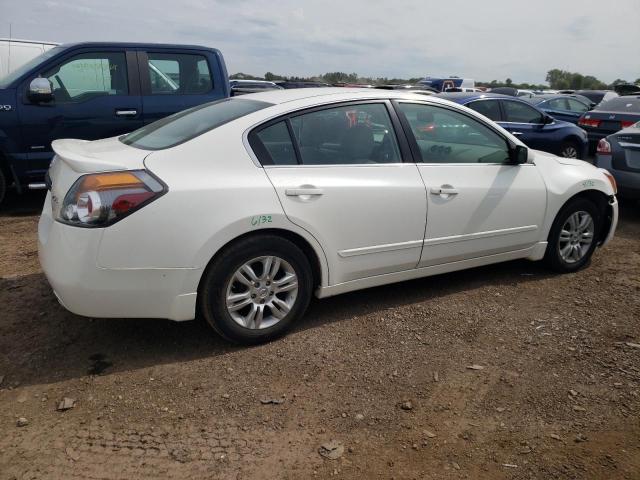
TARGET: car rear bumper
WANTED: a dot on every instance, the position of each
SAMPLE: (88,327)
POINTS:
(68,258)
(628,182)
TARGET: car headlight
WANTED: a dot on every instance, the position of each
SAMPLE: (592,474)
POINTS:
(611,179)
(101,199)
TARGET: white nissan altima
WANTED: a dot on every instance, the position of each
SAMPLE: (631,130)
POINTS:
(243,208)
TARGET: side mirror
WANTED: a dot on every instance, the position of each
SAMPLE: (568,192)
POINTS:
(40,90)
(518,154)
(547,120)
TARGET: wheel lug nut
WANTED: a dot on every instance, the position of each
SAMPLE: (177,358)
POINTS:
(253,295)
(261,301)
(268,283)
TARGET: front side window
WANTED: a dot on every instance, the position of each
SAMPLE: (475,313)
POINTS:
(518,112)
(447,136)
(178,74)
(488,108)
(354,134)
(89,75)
(183,126)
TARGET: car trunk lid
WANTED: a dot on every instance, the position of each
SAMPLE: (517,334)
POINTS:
(629,141)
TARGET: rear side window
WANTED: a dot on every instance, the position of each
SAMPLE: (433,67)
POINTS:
(621,104)
(488,108)
(518,112)
(179,74)
(183,126)
(275,146)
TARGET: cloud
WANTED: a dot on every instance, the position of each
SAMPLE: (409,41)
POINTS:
(481,40)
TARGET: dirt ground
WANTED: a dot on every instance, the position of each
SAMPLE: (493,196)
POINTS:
(554,392)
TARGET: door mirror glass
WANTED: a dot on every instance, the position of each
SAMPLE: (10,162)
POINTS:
(519,154)
(40,90)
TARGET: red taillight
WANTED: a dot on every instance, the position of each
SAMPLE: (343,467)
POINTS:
(589,122)
(604,147)
(627,123)
(101,199)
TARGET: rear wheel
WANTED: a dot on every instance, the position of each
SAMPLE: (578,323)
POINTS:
(570,149)
(256,289)
(573,236)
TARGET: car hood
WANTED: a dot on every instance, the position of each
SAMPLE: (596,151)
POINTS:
(541,156)
(85,156)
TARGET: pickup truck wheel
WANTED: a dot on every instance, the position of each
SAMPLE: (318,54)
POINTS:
(256,289)
(3,186)
(570,149)
(573,236)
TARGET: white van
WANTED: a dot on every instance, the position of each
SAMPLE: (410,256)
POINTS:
(14,53)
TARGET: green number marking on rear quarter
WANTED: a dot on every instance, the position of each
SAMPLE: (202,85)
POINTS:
(260,219)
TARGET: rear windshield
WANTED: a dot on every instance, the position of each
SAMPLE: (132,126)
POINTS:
(188,124)
(621,104)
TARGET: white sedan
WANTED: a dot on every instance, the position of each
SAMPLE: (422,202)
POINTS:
(241,209)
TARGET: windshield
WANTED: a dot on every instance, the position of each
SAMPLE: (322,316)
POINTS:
(21,70)
(183,126)
(621,104)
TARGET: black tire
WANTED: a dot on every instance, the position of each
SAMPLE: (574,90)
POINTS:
(213,287)
(570,145)
(552,257)
(3,186)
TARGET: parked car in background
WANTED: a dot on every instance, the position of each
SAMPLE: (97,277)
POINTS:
(406,88)
(242,87)
(14,53)
(287,84)
(525,93)
(96,90)
(531,125)
(597,96)
(620,155)
(244,208)
(610,117)
(512,92)
(568,108)
(441,84)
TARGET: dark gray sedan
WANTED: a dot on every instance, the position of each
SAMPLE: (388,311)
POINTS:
(620,154)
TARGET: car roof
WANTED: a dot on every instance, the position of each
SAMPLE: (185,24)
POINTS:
(460,97)
(330,94)
(137,45)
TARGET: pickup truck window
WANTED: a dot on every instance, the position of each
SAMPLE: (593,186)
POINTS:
(89,75)
(179,74)
(183,126)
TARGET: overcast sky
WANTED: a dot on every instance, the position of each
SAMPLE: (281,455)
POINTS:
(483,40)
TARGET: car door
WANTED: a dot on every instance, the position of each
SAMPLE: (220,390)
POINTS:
(173,81)
(525,122)
(96,95)
(343,179)
(479,203)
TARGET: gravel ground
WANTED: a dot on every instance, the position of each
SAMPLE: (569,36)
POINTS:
(505,372)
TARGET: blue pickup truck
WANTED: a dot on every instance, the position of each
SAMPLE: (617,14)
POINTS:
(96,90)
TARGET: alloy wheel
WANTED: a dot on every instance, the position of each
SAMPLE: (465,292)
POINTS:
(576,236)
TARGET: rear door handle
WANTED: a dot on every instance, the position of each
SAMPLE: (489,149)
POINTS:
(298,192)
(444,190)
(126,112)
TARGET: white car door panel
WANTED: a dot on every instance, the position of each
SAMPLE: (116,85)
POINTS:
(343,180)
(497,208)
(479,202)
(370,220)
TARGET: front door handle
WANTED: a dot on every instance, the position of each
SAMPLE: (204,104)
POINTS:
(302,191)
(516,133)
(126,112)
(444,190)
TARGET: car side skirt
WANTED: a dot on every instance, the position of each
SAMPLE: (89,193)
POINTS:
(535,252)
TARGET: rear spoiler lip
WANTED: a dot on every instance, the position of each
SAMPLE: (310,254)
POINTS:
(81,163)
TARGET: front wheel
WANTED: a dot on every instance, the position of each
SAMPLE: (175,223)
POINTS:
(256,289)
(570,150)
(573,236)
